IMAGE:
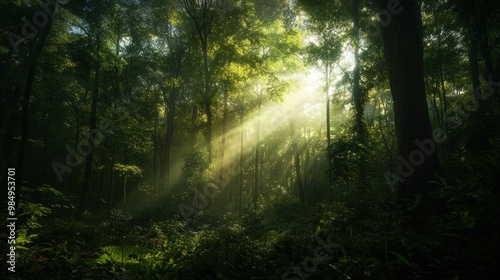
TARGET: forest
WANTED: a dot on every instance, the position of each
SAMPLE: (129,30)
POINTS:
(250,139)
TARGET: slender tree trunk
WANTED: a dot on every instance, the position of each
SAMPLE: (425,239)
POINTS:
(194,127)
(359,100)
(45,137)
(474,71)
(384,138)
(169,140)
(110,185)
(296,163)
(223,142)
(444,104)
(208,98)
(155,153)
(306,171)
(208,132)
(328,131)
(125,190)
(255,190)
(87,177)
(241,168)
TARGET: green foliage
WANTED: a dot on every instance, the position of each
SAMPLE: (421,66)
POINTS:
(127,170)
(345,155)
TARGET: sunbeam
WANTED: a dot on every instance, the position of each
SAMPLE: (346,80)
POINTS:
(303,103)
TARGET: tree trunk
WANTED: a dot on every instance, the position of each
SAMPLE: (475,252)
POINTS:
(125,190)
(194,127)
(110,186)
(241,169)
(28,90)
(296,162)
(170,135)
(84,195)
(255,189)
(208,97)
(223,143)
(359,99)
(208,132)
(403,47)
(328,131)
(155,152)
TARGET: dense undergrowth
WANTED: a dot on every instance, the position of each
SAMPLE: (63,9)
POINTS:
(355,239)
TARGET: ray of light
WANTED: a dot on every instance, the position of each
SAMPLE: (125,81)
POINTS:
(305,103)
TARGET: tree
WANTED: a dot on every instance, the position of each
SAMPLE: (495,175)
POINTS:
(403,48)
(203,16)
(95,13)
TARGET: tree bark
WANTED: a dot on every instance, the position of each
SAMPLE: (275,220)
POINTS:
(169,140)
(28,91)
(255,189)
(296,163)
(241,168)
(403,47)
(328,131)
(110,185)
(223,142)
(359,99)
(84,195)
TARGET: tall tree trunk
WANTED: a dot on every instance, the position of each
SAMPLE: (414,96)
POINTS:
(208,98)
(110,185)
(28,91)
(45,137)
(155,152)
(255,189)
(194,126)
(208,132)
(328,131)
(125,190)
(403,47)
(241,168)
(444,103)
(296,162)
(306,167)
(223,142)
(87,177)
(169,140)
(359,99)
